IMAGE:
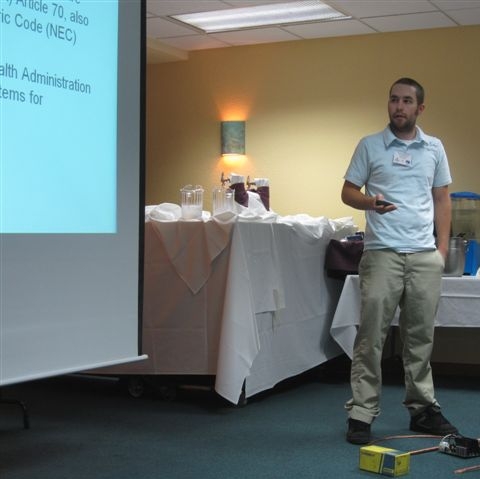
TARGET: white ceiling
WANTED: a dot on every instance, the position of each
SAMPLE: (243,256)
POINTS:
(169,40)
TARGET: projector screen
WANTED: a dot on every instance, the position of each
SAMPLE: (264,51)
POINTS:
(72,76)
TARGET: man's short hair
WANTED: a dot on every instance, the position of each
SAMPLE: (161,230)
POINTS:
(420,92)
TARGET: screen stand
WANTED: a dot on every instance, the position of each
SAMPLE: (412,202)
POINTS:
(21,405)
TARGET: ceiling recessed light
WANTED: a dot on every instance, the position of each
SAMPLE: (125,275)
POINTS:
(261,15)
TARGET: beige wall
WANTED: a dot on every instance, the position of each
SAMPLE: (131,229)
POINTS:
(307,103)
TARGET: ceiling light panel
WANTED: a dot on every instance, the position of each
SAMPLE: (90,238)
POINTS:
(261,15)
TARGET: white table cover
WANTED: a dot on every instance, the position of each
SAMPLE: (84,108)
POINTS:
(247,301)
(459,307)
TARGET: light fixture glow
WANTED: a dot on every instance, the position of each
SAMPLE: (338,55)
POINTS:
(261,15)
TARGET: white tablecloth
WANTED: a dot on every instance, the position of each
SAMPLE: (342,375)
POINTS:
(459,307)
(254,309)
(278,308)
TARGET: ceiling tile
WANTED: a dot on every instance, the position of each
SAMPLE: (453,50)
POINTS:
(255,35)
(378,8)
(469,16)
(174,7)
(160,28)
(410,22)
(456,4)
(368,16)
(330,29)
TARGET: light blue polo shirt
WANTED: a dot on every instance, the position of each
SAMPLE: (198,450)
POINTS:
(404,172)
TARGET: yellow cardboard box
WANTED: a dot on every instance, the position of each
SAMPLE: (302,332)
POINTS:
(384,460)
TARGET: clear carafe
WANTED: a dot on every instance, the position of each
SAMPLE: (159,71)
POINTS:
(192,202)
(223,200)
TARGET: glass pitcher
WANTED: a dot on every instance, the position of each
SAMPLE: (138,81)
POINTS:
(192,202)
(223,200)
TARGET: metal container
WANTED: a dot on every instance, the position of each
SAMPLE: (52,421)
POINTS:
(455,262)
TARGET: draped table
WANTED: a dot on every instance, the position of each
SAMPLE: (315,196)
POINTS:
(246,301)
(459,307)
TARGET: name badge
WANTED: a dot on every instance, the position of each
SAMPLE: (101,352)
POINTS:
(402,159)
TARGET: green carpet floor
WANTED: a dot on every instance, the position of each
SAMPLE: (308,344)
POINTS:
(90,428)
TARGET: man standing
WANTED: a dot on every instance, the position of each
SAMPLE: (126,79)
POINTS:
(405,176)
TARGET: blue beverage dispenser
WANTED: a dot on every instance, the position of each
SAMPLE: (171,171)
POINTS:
(466,224)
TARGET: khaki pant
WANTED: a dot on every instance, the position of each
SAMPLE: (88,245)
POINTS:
(387,280)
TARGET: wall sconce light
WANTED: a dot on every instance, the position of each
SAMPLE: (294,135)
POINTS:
(233,137)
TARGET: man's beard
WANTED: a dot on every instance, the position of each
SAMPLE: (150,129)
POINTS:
(407,127)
